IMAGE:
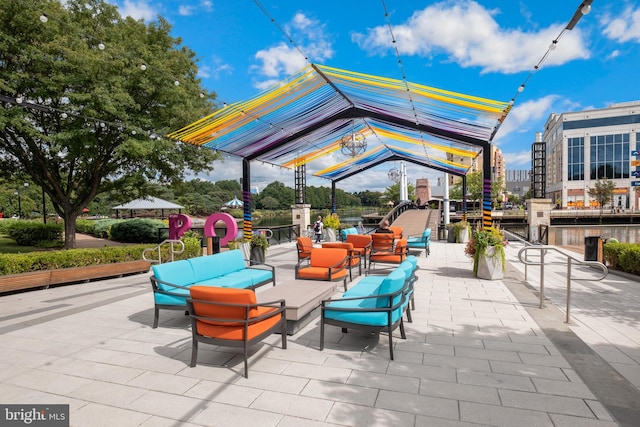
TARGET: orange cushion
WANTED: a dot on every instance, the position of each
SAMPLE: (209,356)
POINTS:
(358,240)
(320,273)
(304,246)
(327,257)
(397,231)
(235,332)
(341,245)
(223,295)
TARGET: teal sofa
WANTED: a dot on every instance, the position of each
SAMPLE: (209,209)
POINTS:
(372,305)
(171,281)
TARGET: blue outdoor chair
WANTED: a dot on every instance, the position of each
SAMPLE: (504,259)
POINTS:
(421,242)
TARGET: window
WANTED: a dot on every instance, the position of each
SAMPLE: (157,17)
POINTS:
(575,159)
(609,156)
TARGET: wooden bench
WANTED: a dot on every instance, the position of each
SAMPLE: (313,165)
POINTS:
(302,298)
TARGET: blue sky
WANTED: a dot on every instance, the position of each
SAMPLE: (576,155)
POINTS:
(486,48)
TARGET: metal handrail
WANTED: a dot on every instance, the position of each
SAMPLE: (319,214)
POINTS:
(158,248)
(543,249)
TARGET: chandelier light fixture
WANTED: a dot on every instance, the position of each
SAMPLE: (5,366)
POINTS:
(394,175)
(353,144)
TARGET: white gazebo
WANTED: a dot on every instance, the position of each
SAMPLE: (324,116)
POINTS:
(147,203)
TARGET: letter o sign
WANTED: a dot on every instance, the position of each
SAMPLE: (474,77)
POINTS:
(230,222)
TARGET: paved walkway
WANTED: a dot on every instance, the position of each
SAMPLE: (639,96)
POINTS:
(477,353)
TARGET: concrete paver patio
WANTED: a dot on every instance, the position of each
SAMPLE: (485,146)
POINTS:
(477,353)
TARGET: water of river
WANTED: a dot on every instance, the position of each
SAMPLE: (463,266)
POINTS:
(574,235)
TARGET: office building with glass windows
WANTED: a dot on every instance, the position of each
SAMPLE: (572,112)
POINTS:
(586,146)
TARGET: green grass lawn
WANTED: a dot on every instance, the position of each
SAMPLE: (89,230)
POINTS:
(9,246)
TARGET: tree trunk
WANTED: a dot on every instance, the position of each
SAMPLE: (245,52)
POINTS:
(69,231)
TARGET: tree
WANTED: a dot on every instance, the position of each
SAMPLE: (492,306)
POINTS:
(270,203)
(89,93)
(277,190)
(602,192)
(392,192)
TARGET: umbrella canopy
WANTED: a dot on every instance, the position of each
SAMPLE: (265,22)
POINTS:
(234,203)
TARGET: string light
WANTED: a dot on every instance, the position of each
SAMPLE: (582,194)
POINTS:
(19,100)
(583,9)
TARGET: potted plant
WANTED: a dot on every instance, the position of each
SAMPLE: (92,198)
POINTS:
(461,229)
(259,244)
(486,247)
(331,223)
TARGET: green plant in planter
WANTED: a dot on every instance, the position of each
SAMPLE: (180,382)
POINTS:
(479,242)
(459,226)
(235,244)
(331,221)
(259,241)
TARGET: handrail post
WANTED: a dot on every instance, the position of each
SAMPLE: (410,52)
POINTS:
(542,252)
(568,290)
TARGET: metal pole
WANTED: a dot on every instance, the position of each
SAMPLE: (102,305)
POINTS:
(44,208)
(568,290)
(542,278)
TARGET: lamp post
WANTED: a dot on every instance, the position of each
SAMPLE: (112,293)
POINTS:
(17,193)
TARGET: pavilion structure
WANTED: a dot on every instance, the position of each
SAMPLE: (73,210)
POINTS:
(353,122)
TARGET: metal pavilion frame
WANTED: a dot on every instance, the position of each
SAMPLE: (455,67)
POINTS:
(304,118)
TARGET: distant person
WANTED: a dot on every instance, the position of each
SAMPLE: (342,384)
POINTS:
(317,229)
(384,227)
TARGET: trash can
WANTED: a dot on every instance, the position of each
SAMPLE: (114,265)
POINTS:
(593,248)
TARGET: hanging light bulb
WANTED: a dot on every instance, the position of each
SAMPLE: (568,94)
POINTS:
(133,132)
(201,95)
(101,46)
(553,44)
(177,83)
(586,9)
(521,88)
(143,67)
(44,18)
(19,99)
(63,115)
(102,124)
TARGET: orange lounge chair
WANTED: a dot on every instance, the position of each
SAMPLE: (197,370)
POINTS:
(324,264)
(232,317)
(304,246)
(396,254)
(397,231)
(354,256)
(361,244)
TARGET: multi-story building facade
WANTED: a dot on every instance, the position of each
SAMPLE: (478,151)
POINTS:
(518,182)
(585,146)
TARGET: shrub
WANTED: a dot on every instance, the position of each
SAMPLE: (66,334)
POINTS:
(102,227)
(27,233)
(623,256)
(137,231)
(85,226)
(332,221)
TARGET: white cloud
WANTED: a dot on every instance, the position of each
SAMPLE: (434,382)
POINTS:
(523,116)
(138,10)
(282,60)
(614,54)
(518,160)
(185,10)
(467,33)
(624,28)
(207,5)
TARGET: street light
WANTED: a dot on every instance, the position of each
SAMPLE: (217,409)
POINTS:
(17,193)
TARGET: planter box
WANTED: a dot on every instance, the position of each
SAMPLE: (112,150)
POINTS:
(490,265)
(45,278)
